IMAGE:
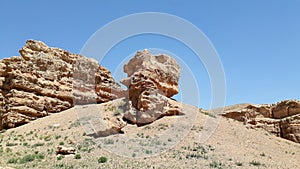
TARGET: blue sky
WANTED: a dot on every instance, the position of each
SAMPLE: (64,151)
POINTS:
(257,41)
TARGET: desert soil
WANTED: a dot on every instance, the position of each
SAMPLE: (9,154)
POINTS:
(194,140)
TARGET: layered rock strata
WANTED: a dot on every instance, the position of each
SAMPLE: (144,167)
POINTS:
(151,81)
(281,119)
(47,80)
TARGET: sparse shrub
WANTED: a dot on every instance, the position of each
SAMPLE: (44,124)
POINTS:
(77,156)
(255,163)
(65,166)
(37,144)
(141,135)
(162,127)
(60,157)
(111,108)
(108,141)
(50,151)
(263,154)
(196,155)
(31,157)
(8,150)
(239,164)
(75,124)
(49,144)
(27,158)
(40,156)
(215,164)
(13,161)
(31,132)
(61,143)
(57,137)
(102,160)
(87,146)
(47,138)
(148,152)
(11,144)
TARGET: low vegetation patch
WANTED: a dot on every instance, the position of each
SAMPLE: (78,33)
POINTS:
(102,159)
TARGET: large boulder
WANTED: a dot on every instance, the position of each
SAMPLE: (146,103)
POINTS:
(47,80)
(281,119)
(151,81)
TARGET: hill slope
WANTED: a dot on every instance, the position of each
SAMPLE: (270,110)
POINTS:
(230,145)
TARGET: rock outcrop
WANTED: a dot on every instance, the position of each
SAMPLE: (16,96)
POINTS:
(47,80)
(281,119)
(151,81)
(65,150)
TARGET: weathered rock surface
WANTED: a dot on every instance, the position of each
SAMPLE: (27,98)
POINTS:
(290,128)
(48,80)
(151,81)
(281,119)
(65,150)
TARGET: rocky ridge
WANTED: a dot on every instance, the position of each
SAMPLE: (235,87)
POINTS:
(47,80)
(281,119)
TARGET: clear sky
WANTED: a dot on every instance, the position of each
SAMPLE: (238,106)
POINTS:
(258,41)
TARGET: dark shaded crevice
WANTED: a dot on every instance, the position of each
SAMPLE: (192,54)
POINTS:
(281,130)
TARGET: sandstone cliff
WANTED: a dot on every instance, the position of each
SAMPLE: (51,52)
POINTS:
(40,82)
(281,119)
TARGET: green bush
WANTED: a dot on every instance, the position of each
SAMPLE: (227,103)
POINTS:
(13,161)
(47,138)
(11,144)
(27,158)
(77,156)
(102,160)
(57,137)
(60,157)
(38,145)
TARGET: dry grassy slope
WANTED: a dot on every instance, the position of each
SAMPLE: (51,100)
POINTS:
(231,145)
(229,108)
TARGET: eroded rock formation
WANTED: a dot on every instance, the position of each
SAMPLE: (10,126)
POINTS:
(281,119)
(40,82)
(151,81)
(47,80)
(65,150)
